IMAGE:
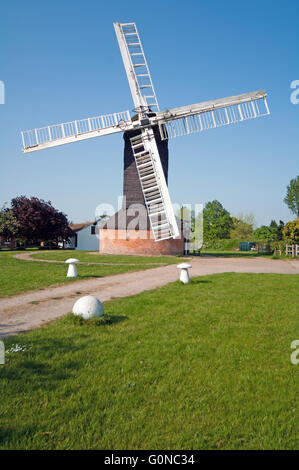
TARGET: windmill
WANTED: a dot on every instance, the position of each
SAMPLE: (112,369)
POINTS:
(146,134)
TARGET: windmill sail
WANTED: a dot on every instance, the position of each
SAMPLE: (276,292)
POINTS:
(136,67)
(68,132)
(154,187)
(210,114)
(147,158)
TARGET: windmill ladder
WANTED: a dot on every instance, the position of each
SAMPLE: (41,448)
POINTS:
(156,197)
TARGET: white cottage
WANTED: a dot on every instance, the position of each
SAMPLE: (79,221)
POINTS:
(86,237)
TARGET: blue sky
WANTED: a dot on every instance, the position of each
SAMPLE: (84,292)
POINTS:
(60,61)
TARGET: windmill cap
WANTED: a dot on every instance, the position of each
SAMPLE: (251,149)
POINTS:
(184,266)
(72,261)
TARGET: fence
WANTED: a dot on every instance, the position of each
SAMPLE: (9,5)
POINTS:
(292,250)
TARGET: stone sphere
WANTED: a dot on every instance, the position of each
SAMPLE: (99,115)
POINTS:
(88,307)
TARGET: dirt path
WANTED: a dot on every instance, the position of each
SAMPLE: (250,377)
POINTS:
(27,311)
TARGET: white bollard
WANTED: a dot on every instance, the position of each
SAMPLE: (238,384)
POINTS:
(72,270)
(88,307)
(184,277)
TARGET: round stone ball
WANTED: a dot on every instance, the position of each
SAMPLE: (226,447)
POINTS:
(88,307)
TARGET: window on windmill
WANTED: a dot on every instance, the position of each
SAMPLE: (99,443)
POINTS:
(93,230)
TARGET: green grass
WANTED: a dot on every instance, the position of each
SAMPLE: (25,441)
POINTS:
(84,256)
(231,254)
(242,254)
(200,366)
(18,276)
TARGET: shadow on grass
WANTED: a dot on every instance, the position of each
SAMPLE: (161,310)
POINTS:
(17,433)
(199,281)
(117,319)
(99,321)
(36,375)
(42,365)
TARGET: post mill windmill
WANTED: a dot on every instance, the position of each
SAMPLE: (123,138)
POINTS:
(146,149)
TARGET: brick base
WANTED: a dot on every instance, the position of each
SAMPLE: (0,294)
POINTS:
(123,242)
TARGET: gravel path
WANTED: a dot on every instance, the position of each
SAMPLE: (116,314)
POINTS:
(24,312)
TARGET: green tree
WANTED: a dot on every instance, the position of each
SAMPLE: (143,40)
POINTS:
(274,227)
(280,230)
(291,231)
(247,218)
(265,234)
(217,221)
(8,223)
(292,196)
(242,227)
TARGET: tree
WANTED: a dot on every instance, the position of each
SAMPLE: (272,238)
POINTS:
(39,220)
(280,230)
(291,231)
(247,218)
(8,223)
(265,234)
(292,196)
(217,221)
(274,228)
(242,227)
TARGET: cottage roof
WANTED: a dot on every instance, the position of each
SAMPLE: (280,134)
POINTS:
(78,227)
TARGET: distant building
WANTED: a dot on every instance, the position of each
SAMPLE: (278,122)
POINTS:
(9,243)
(85,237)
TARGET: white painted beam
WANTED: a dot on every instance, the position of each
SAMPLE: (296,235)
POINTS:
(75,138)
(205,106)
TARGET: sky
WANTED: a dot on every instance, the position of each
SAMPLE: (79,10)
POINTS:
(60,61)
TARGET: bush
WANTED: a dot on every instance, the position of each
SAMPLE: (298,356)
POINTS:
(226,244)
(278,245)
(265,234)
(291,231)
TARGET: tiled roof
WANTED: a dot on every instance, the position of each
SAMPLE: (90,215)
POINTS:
(78,227)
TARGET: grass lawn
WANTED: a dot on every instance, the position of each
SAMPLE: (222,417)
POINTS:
(198,366)
(231,254)
(243,254)
(18,276)
(84,256)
